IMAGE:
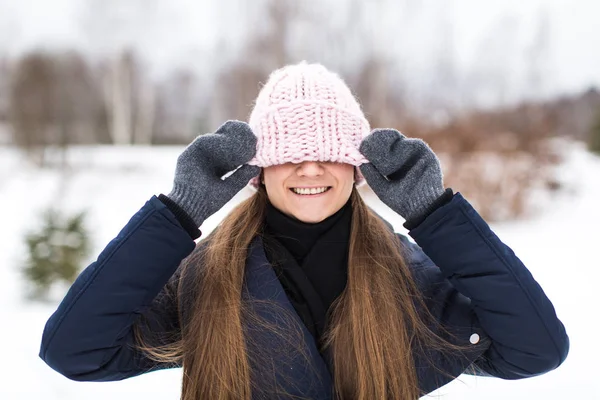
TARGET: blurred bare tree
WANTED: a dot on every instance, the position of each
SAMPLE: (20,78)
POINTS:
(4,86)
(79,110)
(182,109)
(129,98)
(4,99)
(538,58)
(383,106)
(54,101)
(32,105)
(489,83)
(111,27)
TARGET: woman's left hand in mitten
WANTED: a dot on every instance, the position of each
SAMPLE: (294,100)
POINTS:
(404,173)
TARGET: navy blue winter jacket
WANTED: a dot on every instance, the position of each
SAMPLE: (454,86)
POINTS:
(473,284)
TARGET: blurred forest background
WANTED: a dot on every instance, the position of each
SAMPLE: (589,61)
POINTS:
(492,130)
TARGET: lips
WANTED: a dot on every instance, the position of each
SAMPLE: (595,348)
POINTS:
(314,191)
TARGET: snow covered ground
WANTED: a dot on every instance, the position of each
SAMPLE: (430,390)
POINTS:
(558,245)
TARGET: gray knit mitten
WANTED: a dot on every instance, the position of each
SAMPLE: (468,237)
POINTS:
(198,188)
(404,173)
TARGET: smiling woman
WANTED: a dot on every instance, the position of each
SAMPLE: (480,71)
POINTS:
(309,191)
(302,291)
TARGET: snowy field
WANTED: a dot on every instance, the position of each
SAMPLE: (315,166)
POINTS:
(559,245)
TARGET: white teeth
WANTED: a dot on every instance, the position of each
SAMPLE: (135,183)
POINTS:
(305,191)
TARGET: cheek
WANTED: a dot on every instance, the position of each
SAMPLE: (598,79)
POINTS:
(275,175)
(270,182)
(346,176)
(273,182)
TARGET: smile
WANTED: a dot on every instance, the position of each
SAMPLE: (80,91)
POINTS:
(310,191)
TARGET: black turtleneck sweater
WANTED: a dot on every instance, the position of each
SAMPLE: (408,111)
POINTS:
(310,260)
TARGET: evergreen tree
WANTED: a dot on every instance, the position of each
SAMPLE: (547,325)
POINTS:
(55,251)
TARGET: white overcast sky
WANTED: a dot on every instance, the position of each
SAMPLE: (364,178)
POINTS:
(180,29)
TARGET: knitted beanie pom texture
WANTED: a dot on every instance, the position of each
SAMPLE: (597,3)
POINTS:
(305,112)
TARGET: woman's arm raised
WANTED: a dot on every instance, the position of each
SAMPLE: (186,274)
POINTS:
(527,338)
(512,309)
(89,336)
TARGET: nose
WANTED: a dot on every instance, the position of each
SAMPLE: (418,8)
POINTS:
(309,169)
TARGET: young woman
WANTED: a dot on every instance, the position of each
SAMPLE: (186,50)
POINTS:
(302,291)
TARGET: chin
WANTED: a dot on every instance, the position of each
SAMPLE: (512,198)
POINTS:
(310,218)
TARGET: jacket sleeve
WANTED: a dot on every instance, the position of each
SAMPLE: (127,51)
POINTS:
(90,336)
(527,338)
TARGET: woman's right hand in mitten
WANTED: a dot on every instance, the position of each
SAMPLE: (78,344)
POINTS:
(198,188)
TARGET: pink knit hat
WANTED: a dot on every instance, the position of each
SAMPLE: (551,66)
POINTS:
(307,113)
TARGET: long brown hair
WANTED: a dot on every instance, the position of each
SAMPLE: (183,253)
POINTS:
(373,327)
